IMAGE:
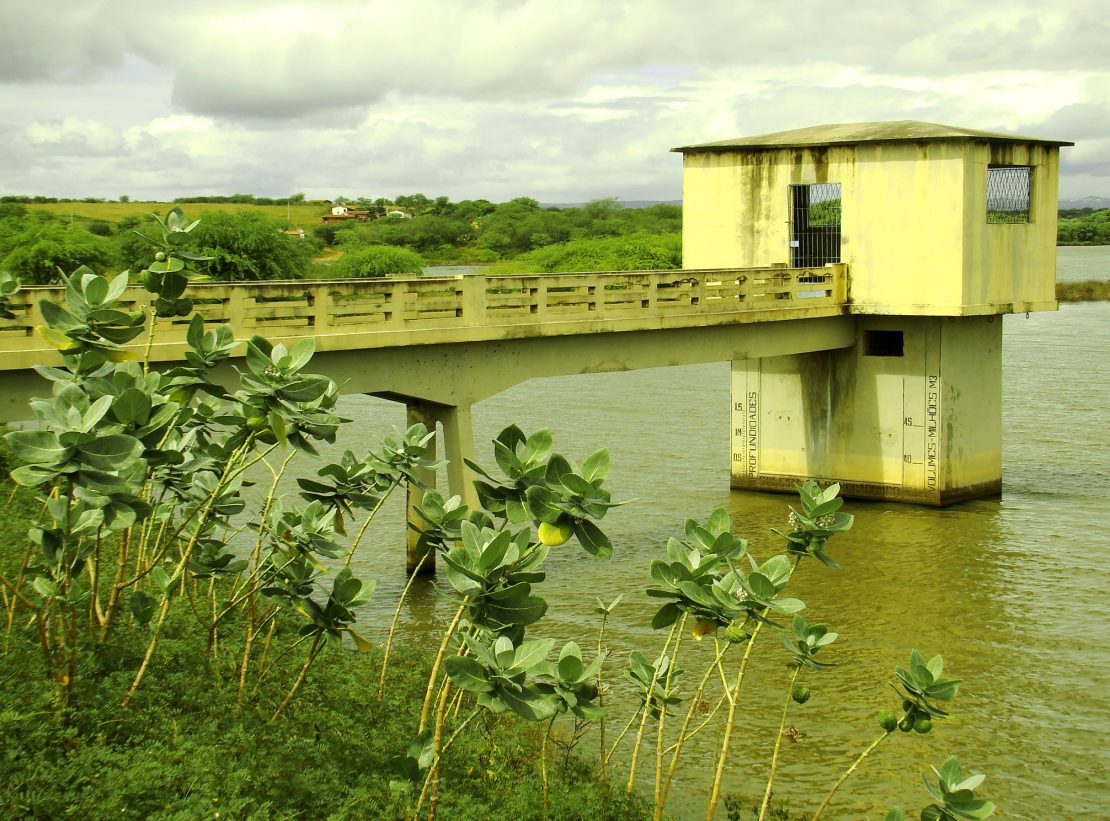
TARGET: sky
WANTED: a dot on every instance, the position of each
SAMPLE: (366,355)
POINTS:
(560,100)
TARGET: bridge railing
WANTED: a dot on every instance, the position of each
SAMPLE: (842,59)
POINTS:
(346,313)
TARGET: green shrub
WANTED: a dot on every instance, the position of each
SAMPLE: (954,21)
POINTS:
(637,252)
(376,261)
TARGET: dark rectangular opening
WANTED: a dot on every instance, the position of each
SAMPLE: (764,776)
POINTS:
(883,343)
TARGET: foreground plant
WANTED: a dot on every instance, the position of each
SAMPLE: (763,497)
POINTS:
(954,794)
(142,475)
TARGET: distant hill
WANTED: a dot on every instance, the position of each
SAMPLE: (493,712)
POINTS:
(1085,202)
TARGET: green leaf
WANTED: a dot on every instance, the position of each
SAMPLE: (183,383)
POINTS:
(918,668)
(495,552)
(117,286)
(935,665)
(787,605)
(38,447)
(570,663)
(667,615)
(530,653)
(258,356)
(362,644)
(141,606)
(530,704)
(596,466)
(593,539)
(468,673)
(132,407)
(44,587)
(58,317)
(301,353)
(161,578)
(521,611)
(543,504)
(113,452)
(538,446)
(719,522)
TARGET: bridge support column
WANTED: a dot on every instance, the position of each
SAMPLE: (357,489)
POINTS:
(912,412)
(458,444)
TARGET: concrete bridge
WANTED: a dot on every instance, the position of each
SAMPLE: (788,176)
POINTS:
(441,344)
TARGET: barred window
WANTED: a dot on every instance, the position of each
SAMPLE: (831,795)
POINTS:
(814,224)
(1009,189)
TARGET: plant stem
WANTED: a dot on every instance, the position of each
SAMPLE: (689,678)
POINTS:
(438,756)
(433,677)
(369,518)
(778,744)
(657,792)
(848,772)
(543,766)
(676,748)
(312,652)
(183,563)
(648,697)
(600,694)
(393,625)
(622,734)
(733,699)
(437,746)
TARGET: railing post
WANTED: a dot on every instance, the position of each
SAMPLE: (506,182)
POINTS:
(321,309)
(237,310)
(473,299)
(540,296)
(839,288)
(394,305)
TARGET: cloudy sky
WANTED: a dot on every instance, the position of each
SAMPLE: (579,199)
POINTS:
(561,100)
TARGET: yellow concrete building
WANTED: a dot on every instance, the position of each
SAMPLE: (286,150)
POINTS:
(942,231)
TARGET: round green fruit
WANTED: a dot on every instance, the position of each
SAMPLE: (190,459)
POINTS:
(922,725)
(553,535)
(888,721)
(800,694)
(906,724)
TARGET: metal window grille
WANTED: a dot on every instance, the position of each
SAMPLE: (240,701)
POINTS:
(1008,193)
(814,224)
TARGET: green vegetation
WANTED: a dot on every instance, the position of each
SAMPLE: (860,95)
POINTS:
(1084,226)
(238,247)
(1088,290)
(33,248)
(375,261)
(635,252)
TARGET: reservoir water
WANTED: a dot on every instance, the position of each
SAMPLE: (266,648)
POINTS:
(1012,591)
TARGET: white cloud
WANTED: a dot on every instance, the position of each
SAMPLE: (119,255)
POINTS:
(500,98)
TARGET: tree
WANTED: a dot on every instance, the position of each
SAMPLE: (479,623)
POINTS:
(42,247)
(246,245)
(377,261)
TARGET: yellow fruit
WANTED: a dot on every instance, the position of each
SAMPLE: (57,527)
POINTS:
(555,535)
(703,627)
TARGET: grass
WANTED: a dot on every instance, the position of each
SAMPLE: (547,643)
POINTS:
(302,216)
(1090,290)
(185,749)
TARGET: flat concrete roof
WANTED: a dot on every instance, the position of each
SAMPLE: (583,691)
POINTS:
(855,133)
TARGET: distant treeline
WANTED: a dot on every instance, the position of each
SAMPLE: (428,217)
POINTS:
(244,199)
(1084,226)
